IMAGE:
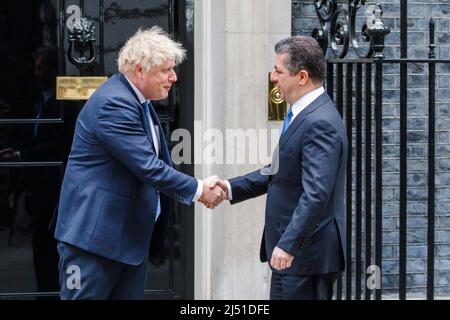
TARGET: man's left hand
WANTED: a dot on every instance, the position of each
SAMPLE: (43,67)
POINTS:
(281,259)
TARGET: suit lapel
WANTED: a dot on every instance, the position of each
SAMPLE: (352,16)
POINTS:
(273,168)
(164,151)
(122,79)
(125,82)
(322,99)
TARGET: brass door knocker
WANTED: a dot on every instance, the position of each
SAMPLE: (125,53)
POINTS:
(82,38)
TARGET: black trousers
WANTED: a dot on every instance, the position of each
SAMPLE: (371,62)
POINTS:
(302,287)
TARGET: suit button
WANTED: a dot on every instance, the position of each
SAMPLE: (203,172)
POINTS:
(302,244)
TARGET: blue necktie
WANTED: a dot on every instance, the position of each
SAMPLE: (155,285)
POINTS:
(147,114)
(287,121)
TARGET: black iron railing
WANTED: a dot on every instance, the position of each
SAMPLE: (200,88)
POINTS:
(354,78)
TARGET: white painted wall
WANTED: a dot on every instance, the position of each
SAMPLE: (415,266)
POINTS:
(234,52)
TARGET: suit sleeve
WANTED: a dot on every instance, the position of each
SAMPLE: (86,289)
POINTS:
(120,131)
(321,151)
(251,185)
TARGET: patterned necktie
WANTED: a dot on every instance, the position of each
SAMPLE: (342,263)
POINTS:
(287,121)
(150,121)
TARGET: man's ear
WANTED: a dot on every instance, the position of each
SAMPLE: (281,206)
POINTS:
(138,71)
(303,77)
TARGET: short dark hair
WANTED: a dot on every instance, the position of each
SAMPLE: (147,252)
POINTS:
(303,53)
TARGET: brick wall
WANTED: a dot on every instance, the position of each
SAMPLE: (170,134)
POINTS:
(304,20)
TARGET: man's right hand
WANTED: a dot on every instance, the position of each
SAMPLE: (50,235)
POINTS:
(216,181)
(212,194)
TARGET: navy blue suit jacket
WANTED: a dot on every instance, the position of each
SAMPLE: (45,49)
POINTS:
(108,198)
(305,192)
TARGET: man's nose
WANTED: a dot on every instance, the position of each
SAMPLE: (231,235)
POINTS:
(173,77)
(272,77)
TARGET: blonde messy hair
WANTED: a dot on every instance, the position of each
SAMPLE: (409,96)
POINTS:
(149,48)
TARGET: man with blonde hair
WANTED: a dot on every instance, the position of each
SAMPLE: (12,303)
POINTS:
(119,177)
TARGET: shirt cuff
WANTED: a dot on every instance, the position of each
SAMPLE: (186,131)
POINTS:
(199,192)
(230,194)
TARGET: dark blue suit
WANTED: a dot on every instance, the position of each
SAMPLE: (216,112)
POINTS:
(111,185)
(305,193)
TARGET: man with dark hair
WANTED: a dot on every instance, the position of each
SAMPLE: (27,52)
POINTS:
(304,236)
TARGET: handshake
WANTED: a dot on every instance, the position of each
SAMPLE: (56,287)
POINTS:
(215,191)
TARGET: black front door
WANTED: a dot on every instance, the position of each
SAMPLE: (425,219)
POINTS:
(36,130)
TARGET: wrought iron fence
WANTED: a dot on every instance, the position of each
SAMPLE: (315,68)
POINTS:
(354,79)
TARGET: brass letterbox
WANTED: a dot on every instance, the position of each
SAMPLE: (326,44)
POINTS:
(77,88)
